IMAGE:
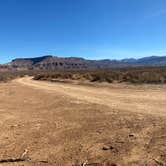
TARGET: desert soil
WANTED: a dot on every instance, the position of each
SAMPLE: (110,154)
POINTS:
(61,124)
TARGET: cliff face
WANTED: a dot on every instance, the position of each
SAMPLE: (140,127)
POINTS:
(49,63)
(52,63)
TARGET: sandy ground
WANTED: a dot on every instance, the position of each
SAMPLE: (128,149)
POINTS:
(67,125)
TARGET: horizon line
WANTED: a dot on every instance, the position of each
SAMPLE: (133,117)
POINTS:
(81,57)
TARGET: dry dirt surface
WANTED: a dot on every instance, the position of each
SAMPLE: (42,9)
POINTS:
(60,124)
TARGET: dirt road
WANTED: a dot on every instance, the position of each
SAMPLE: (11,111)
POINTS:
(134,100)
(67,125)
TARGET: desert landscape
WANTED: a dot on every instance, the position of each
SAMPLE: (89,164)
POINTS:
(90,124)
(82,83)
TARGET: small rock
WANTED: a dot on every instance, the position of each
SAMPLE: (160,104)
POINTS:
(105,147)
(131,135)
(108,147)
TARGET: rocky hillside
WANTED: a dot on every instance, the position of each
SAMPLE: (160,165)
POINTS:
(49,63)
(52,63)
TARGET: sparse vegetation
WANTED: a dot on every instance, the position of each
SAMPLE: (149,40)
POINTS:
(153,75)
(8,76)
(131,75)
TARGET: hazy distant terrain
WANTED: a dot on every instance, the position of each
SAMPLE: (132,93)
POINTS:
(53,63)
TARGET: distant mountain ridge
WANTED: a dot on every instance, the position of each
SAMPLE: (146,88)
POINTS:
(34,60)
(50,62)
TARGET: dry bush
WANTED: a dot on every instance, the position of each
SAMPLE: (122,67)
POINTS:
(8,76)
(132,75)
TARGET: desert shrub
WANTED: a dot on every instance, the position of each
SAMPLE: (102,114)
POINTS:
(38,77)
(132,75)
(10,75)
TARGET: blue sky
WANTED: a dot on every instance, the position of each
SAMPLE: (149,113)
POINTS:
(94,29)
